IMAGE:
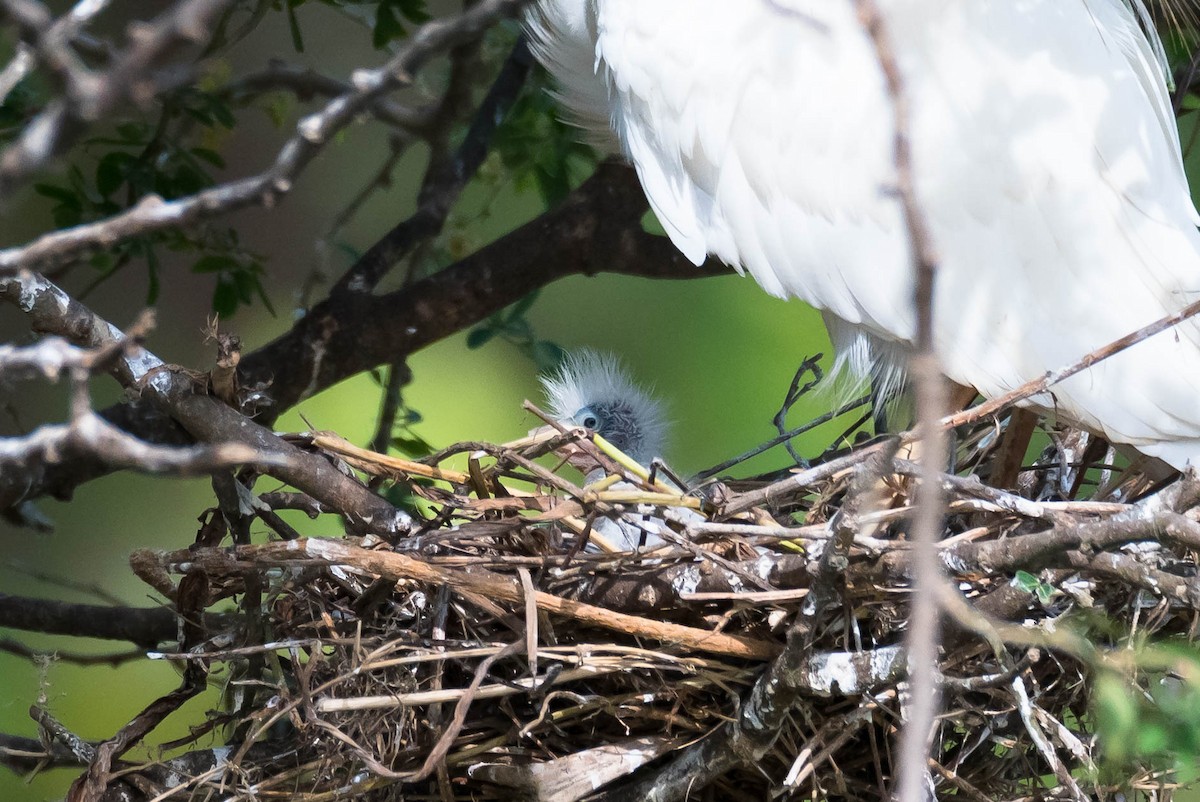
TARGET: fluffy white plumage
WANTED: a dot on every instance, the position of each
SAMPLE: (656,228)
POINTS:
(1046,159)
(593,390)
(594,385)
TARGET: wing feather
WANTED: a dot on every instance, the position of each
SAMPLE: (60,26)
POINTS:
(1046,159)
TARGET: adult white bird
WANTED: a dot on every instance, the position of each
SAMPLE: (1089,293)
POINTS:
(1045,157)
(593,390)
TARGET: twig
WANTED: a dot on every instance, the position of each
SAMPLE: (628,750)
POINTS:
(147,626)
(922,636)
(51,310)
(312,134)
(129,77)
(397,566)
(781,438)
(113,659)
(1043,383)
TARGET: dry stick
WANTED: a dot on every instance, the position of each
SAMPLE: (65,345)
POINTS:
(49,309)
(394,565)
(922,636)
(1051,378)
(798,481)
(336,444)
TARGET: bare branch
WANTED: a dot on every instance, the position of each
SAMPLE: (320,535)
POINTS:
(130,77)
(307,83)
(14,72)
(446,177)
(143,626)
(206,419)
(1040,385)
(152,213)
(113,659)
(923,634)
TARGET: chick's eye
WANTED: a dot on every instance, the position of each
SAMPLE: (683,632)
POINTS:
(590,422)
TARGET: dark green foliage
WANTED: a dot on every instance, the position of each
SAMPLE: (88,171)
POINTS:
(25,99)
(1032,584)
(162,157)
(1153,722)
(404,437)
(513,325)
(538,149)
(390,18)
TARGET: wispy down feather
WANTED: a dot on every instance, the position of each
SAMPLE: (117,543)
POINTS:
(590,379)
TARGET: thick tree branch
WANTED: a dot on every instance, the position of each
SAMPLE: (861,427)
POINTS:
(448,174)
(597,229)
(143,626)
(205,418)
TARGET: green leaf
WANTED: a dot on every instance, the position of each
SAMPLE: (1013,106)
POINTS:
(60,194)
(261,292)
(112,172)
(294,26)
(387,26)
(214,263)
(478,337)
(209,155)
(414,10)
(548,356)
(522,306)
(412,446)
(1031,584)
(132,133)
(223,114)
(225,297)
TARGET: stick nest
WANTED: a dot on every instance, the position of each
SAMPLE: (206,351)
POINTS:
(487,655)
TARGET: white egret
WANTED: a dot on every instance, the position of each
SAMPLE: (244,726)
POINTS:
(1045,158)
(593,390)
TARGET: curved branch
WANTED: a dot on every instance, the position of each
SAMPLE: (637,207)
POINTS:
(596,230)
(312,134)
(143,626)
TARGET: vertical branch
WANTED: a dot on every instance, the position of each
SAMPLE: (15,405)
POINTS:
(923,635)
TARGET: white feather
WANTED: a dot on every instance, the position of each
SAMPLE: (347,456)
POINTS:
(1046,160)
(587,378)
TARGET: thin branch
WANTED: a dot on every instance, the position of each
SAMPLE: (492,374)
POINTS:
(307,83)
(312,134)
(1040,385)
(447,175)
(14,72)
(112,659)
(130,77)
(597,229)
(205,418)
(144,626)
(923,633)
